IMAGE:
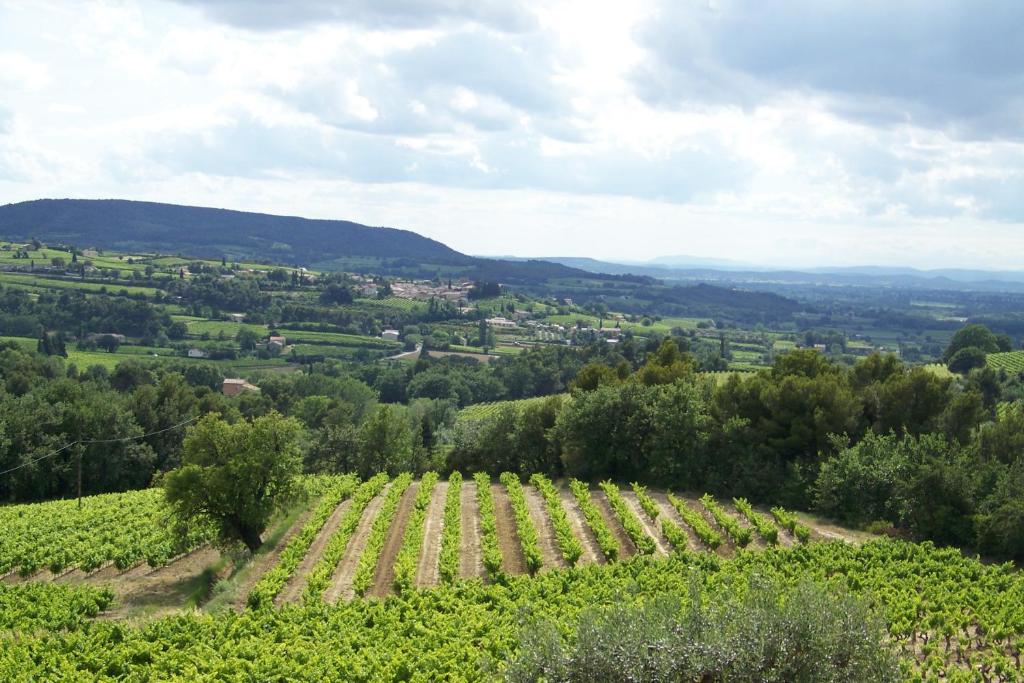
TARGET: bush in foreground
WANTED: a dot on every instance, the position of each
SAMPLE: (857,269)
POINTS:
(804,633)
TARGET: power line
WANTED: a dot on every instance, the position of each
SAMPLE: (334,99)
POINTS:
(89,441)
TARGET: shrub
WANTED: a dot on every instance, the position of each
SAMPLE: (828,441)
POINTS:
(807,632)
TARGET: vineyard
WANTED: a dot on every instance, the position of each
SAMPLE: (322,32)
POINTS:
(486,549)
(482,411)
(122,529)
(1011,361)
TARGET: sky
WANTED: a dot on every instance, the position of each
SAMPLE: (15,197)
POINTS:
(781,133)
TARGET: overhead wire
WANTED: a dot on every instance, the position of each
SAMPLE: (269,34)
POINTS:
(91,441)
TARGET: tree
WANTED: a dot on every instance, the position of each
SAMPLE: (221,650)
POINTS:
(109,342)
(247,339)
(593,375)
(237,475)
(967,359)
(666,365)
(977,336)
(385,442)
(336,293)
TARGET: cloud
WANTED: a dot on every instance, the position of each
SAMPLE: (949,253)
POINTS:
(242,139)
(502,15)
(957,66)
(471,80)
(20,72)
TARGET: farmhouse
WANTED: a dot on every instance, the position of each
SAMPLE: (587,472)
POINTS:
(236,317)
(276,342)
(234,386)
(503,323)
(197,353)
(389,335)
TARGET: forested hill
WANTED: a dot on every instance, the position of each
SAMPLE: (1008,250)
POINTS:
(129,226)
(240,235)
(199,231)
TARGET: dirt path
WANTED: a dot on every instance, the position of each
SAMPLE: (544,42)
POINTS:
(264,562)
(162,590)
(384,575)
(512,560)
(549,550)
(471,563)
(293,588)
(626,547)
(41,576)
(661,544)
(591,551)
(433,527)
(824,530)
(340,586)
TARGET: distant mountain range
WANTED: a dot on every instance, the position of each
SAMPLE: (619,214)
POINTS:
(731,272)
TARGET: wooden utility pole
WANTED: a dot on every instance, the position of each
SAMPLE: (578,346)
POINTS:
(78,450)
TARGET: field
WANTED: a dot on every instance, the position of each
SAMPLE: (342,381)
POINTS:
(939,369)
(481,411)
(38,283)
(663,326)
(336,339)
(1011,361)
(451,569)
(122,529)
(393,302)
(215,328)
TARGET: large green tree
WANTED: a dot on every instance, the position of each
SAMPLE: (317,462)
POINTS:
(971,336)
(237,475)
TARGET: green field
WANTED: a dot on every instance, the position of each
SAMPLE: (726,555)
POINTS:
(36,283)
(26,343)
(663,326)
(393,302)
(482,411)
(336,338)
(939,369)
(214,328)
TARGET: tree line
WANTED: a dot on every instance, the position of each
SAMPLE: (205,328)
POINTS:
(879,444)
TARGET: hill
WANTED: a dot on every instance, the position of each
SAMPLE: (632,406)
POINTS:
(241,235)
(125,225)
(201,231)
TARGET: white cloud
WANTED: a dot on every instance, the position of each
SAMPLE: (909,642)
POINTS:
(843,133)
(19,72)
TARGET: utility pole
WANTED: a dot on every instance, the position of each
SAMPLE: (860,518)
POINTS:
(78,450)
